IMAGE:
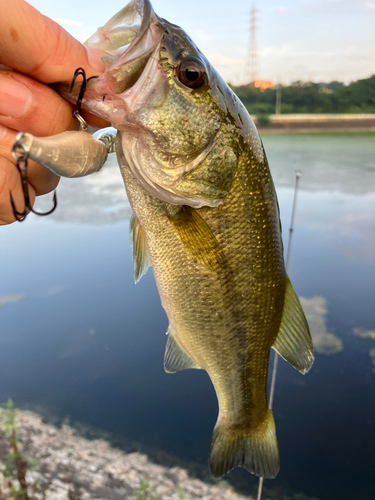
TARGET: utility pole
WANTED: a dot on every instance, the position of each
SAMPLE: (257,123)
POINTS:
(278,99)
(251,63)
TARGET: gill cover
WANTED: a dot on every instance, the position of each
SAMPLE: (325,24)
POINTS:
(146,94)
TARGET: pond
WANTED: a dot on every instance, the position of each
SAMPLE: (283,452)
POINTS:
(78,338)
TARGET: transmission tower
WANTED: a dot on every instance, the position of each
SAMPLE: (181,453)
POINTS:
(251,63)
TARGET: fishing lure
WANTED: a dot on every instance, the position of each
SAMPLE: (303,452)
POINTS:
(74,153)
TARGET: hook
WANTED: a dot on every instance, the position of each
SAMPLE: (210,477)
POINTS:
(21,164)
(77,108)
(21,167)
(20,153)
(49,211)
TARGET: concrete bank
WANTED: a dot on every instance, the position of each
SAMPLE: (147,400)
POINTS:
(310,123)
(74,468)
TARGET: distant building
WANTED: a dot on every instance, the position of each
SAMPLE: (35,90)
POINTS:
(262,85)
(329,88)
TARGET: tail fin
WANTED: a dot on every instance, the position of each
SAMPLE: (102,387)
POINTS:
(257,450)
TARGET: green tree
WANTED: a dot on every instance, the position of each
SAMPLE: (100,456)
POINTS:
(309,97)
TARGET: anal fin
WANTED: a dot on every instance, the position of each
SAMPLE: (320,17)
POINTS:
(140,257)
(293,342)
(175,358)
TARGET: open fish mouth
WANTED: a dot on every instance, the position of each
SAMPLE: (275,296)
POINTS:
(128,39)
(126,43)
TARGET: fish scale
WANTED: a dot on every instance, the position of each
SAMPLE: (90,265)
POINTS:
(206,219)
(195,297)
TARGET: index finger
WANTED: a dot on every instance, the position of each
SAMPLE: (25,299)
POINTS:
(34,44)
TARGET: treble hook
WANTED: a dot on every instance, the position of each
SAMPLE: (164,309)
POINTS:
(20,153)
(21,158)
(77,108)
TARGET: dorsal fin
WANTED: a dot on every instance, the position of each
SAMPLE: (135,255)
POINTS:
(293,342)
(175,358)
(140,257)
(196,235)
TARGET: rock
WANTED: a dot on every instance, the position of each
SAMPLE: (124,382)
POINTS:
(92,470)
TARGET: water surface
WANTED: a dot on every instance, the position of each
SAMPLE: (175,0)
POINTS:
(78,338)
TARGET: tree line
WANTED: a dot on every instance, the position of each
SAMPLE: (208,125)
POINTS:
(309,97)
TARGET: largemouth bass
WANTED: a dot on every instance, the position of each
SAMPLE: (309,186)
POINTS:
(206,219)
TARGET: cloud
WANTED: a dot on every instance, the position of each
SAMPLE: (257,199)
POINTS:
(280,10)
(352,52)
(329,7)
(11,299)
(97,199)
(371,353)
(77,342)
(316,310)
(68,22)
(201,37)
(356,236)
(366,334)
(223,60)
(369,6)
(56,289)
(363,333)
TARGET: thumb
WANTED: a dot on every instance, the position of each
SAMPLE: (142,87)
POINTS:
(35,45)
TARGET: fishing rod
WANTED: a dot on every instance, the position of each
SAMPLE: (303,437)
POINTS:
(276,356)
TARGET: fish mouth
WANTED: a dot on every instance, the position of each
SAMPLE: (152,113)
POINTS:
(128,40)
(125,44)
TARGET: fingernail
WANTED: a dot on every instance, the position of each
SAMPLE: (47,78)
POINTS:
(3,131)
(15,98)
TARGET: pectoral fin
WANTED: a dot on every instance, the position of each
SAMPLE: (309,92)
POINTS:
(175,358)
(293,342)
(196,235)
(140,257)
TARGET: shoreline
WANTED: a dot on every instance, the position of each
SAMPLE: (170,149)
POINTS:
(66,461)
(64,465)
(323,131)
(317,123)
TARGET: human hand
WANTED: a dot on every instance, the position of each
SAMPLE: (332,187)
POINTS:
(34,51)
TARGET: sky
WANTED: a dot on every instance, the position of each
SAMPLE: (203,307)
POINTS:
(317,40)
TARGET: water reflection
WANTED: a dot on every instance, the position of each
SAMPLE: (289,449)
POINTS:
(366,334)
(372,357)
(316,311)
(341,163)
(329,164)
(85,341)
(11,298)
(97,199)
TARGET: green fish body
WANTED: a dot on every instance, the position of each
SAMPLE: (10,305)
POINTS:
(206,219)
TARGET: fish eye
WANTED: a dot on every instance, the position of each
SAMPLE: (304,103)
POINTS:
(191,73)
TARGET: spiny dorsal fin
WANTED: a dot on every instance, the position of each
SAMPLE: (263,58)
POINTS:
(196,235)
(175,358)
(140,257)
(293,342)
